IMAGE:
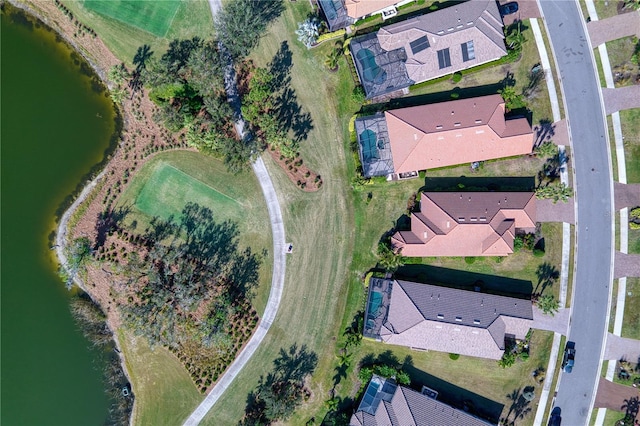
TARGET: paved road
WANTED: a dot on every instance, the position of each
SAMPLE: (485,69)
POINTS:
(279,259)
(594,189)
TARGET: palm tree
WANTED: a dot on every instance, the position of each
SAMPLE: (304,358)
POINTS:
(333,57)
(515,38)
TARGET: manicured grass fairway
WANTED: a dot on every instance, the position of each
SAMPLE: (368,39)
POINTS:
(148,15)
(159,381)
(169,189)
(192,18)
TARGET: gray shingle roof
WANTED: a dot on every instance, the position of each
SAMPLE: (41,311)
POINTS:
(408,408)
(473,308)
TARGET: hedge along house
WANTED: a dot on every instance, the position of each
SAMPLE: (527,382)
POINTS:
(467,224)
(429,46)
(429,317)
(342,13)
(402,142)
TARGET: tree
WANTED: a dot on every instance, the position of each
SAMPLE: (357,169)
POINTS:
(333,57)
(548,304)
(514,37)
(186,264)
(308,31)
(281,390)
(512,99)
(560,192)
(546,149)
(387,258)
(241,23)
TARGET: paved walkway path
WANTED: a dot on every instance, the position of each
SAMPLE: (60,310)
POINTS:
(547,211)
(627,265)
(613,28)
(558,323)
(626,195)
(622,348)
(279,264)
(621,98)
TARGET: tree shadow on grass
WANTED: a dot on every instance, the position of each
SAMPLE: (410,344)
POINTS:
(547,275)
(289,112)
(453,395)
(282,389)
(109,221)
(519,407)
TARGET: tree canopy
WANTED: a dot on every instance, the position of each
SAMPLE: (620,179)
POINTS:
(186,276)
(241,23)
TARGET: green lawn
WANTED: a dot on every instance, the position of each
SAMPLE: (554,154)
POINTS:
(630,120)
(148,15)
(124,31)
(164,392)
(168,189)
(166,183)
(335,236)
(490,80)
(631,324)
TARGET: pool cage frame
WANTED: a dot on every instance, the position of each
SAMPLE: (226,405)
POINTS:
(392,62)
(383,165)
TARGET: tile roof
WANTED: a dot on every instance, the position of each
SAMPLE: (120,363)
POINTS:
(408,407)
(476,24)
(360,8)
(466,224)
(446,319)
(455,132)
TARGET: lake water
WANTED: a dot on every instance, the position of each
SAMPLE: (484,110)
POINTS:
(55,127)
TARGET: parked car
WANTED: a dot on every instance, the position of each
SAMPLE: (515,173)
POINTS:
(555,419)
(569,357)
(508,8)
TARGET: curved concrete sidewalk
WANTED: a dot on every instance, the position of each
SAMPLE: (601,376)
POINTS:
(277,285)
(279,261)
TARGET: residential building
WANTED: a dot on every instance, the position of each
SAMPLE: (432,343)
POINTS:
(386,404)
(428,46)
(404,141)
(342,13)
(443,319)
(467,224)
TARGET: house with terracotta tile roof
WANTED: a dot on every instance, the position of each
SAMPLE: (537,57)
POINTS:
(467,224)
(428,46)
(342,13)
(404,141)
(386,404)
(443,319)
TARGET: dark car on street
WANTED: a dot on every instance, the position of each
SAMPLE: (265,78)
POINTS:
(569,357)
(555,419)
(508,8)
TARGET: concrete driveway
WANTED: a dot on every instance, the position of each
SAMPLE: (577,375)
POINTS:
(621,98)
(627,265)
(613,28)
(622,348)
(547,211)
(626,195)
(558,323)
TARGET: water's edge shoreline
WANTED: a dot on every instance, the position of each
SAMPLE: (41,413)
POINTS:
(65,211)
